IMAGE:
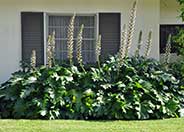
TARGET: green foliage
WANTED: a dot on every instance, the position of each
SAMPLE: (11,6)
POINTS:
(179,40)
(178,67)
(181,2)
(136,88)
(139,89)
(178,71)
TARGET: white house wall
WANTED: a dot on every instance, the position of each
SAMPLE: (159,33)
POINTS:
(169,12)
(148,18)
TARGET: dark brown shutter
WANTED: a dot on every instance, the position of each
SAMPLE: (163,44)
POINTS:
(32,36)
(109,28)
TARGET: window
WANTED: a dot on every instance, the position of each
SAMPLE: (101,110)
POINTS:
(59,25)
(165,30)
(34,27)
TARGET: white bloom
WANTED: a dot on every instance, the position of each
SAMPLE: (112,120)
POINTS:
(181,111)
(32,79)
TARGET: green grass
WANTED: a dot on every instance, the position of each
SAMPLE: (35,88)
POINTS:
(169,125)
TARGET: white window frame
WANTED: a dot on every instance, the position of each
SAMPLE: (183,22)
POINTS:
(96,14)
(46,32)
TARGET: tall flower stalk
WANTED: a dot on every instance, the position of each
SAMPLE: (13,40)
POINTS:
(33,59)
(51,50)
(70,39)
(53,46)
(140,42)
(148,45)
(131,27)
(98,49)
(79,47)
(168,50)
(123,43)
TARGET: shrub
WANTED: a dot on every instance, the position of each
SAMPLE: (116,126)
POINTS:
(141,90)
(178,39)
(120,88)
(177,68)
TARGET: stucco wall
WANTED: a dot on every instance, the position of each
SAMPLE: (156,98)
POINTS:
(169,12)
(10,27)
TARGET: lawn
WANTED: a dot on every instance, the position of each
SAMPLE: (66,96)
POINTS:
(169,125)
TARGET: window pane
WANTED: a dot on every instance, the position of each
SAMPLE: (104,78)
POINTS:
(61,48)
(59,24)
(59,20)
(86,20)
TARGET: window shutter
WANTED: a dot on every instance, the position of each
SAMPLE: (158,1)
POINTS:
(32,36)
(109,28)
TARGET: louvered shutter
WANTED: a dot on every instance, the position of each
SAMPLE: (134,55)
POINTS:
(109,28)
(32,36)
